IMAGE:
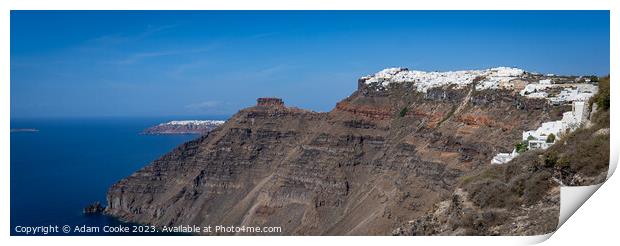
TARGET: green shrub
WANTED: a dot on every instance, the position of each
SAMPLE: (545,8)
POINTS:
(594,78)
(551,138)
(602,97)
(521,146)
(562,162)
(403,112)
(550,160)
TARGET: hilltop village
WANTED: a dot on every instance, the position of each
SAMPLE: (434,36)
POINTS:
(184,127)
(557,90)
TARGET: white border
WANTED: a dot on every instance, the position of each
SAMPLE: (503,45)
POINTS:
(595,219)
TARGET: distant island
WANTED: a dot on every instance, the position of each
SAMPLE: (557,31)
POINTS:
(184,127)
(24,130)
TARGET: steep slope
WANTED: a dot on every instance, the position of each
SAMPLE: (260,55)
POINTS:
(522,197)
(384,156)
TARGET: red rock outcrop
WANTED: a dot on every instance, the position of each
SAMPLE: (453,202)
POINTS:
(365,111)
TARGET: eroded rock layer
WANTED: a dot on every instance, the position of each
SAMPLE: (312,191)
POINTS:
(378,160)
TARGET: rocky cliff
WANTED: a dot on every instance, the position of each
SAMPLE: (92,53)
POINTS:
(522,197)
(384,157)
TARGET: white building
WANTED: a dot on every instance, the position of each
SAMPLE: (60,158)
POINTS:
(547,128)
(580,92)
(540,94)
(502,158)
(491,78)
(576,117)
(537,139)
(538,144)
(545,82)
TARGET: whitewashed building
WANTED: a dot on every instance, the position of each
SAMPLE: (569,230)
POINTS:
(502,158)
(576,117)
(545,82)
(579,93)
(537,139)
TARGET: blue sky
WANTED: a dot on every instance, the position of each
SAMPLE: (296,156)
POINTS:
(201,63)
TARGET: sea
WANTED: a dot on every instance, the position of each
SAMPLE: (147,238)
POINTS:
(70,163)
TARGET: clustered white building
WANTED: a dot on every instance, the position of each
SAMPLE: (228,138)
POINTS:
(492,78)
(193,122)
(504,78)
(568,94)
(502,158)
(582,92)
(539,138)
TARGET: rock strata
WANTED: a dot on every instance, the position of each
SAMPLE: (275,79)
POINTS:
(381,160)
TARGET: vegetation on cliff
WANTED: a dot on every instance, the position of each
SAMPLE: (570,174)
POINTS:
(522,196)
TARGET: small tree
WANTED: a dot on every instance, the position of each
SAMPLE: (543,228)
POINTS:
(593,78)
(551,138)
(403,112)
(602,97)
(521,146)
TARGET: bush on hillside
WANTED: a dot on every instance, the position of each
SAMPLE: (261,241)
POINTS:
(403,112)
(602,97)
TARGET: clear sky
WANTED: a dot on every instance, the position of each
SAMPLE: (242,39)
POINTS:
(200,63)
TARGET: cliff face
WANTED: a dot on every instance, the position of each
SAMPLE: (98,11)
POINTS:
(378,160)
(522,196)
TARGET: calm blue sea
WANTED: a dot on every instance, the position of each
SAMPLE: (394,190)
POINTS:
(70,163)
